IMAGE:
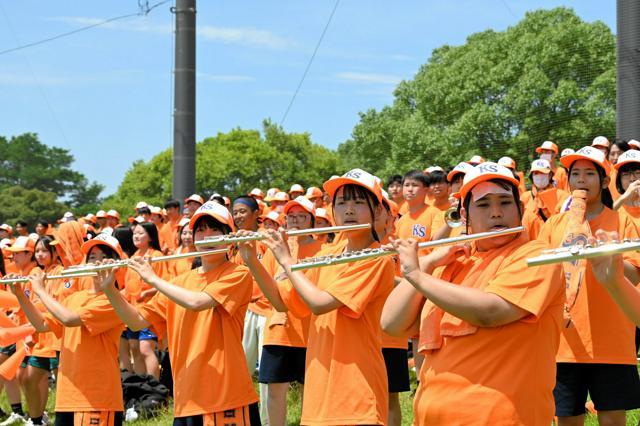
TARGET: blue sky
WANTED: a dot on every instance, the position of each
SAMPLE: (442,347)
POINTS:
(106,94)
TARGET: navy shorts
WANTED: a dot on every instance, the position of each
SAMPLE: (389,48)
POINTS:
(396,361)
(282,364)
(611,387)
(8,350)
(144,334)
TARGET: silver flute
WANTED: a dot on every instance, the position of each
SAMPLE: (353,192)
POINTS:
(354,256)
(125,262)
(575,252)
(257,236)
(10,281)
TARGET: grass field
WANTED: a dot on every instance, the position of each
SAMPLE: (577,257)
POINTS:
(293,415)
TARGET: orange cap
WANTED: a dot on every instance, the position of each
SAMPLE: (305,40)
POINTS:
(90,218)
(7,228)
(540,165)
(296,188)
(105,240)
(194,197)
(634,144)
(271,192)
(507,162)
(463,168)
(256,192)
(547,145)
(274,216)
(156,210)
(586,153)
(323,213)
(484,172)
(630,156)
(101,214)
(23,244)
(432,169)
(216,211)
(113,213)
(354,177)
(280,196)
(601,141)
(313,192)
(476,159)
(141,204)
(567,151)
(302,202)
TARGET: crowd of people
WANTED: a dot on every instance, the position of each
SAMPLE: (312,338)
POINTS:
(492,340)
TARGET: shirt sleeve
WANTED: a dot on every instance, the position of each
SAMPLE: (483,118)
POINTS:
(54,325)
(533,289)
(98,316)
(232,289)
(629,230)
(292,299)
(155,312)
(355,286)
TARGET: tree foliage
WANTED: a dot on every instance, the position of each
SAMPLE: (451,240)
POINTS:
(32,165)
(550,77)
(29,205)
(232,164)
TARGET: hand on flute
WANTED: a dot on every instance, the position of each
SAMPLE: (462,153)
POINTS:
(608,270)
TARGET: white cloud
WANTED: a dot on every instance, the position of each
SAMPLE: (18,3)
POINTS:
(230,78)
(251,37)
(368,78)
(244,36)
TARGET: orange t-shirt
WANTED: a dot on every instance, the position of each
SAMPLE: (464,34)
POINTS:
(135,285)
(48,343)
(345,378)
(286,328)
(495,375)
(418,226)
(599,331)
(207,359)
(632,212)
(562,178)
(89,373)
(259,303)
(179,266)
(439,219)
(169,234)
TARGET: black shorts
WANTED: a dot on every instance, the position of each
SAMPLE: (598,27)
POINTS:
(282,364)
(198,420)
(611,387)
(397,365)
(8,350)
(107,418)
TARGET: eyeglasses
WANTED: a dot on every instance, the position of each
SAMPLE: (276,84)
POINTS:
(297,217)
(630,175)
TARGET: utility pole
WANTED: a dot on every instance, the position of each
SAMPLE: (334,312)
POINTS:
(628,70)
(184,113)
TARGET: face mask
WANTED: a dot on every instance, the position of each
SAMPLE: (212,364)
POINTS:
(546,156)
(541,181)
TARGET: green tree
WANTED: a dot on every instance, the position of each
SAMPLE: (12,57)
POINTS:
(232,164)
(18,203)
(550,77)
(26,162)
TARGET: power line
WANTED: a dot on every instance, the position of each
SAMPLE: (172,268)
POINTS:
(304,75)
(144,10)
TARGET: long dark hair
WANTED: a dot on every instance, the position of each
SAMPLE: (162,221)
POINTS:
(124,235)
(605,194)
(46,241)
(152,231)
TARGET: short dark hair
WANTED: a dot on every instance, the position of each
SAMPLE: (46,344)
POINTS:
(43,223)
(394,179)
(169,204)
(605,194)
(144,210)
(211,223)
(626,168)
(437,177)
(416,175)
(22,223)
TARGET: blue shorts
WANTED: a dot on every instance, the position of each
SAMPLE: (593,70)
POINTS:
(40,362)
(144,334)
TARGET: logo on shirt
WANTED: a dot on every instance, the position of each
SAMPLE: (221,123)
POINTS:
(67,284)
(419,231)
(27,293)
(229,414)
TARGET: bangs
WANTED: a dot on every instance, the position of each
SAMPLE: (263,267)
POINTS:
(208,222)
(355,192)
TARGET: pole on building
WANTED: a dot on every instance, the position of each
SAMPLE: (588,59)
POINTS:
(628,70)
(184,113)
